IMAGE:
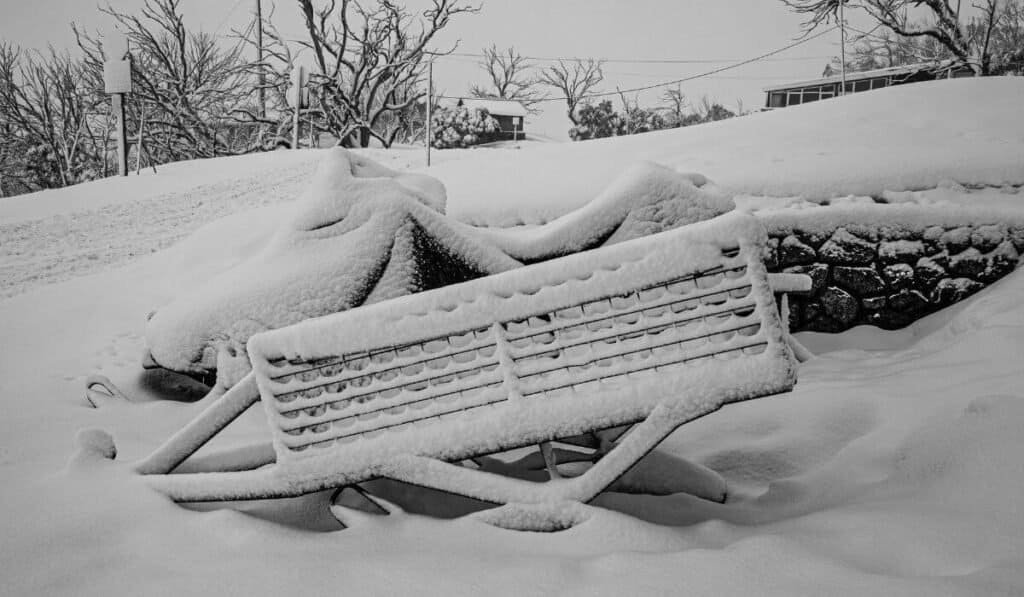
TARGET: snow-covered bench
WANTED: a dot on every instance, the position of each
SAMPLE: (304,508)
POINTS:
(655,332)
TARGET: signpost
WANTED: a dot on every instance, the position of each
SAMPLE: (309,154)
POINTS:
(299,96)
(117,82)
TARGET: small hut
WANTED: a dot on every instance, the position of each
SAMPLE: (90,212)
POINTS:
(510,115)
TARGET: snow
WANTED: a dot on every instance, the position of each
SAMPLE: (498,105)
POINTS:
(958,132)
(892,468)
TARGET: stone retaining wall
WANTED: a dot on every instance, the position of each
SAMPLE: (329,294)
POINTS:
(891,265)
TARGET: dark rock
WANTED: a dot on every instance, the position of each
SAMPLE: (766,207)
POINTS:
(932,234)
(908,301)
(891,320)
(863,281)
(839,305)
(847,249)
(771,257)
(927,273)
(818,273)
(952,290)
(987,238)
(969,264)
(794,252)
(1000,262)
(941,258)
(824,323)
(956,240)
(899,276)
(873,303)
(812,310)
(1017,238)
(906,251)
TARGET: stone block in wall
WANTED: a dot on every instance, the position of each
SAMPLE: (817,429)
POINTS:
(896,251)
(969,263)
(839,305)
(909,301)
(1001,261)
(862,281)
(818,273)
(951,290)
(899,276)
(847,249)
(987,238)
(794,252)
(771,257)
(873,303)
(927,273)
(1017,238)
(931,236)
(956,240)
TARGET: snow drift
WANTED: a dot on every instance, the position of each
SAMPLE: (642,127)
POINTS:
(364,233)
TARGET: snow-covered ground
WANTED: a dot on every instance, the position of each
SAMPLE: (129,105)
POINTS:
(893,468)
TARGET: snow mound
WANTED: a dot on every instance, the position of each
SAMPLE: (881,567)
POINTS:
(355,237)
(364,233)
(908,137)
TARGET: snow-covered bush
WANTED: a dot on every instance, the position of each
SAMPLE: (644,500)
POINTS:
(596,121)
(462,127)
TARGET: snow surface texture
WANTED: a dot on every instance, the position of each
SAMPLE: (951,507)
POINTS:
(891,469)
(901,481)
(363,233)
(902,138)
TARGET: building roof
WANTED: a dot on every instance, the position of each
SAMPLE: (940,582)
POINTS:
(495,106)
(907,69)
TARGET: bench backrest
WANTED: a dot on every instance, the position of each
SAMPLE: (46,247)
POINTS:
(642,314)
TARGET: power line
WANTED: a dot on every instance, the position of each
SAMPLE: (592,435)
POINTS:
(690,78)
(227,16)
(456,55)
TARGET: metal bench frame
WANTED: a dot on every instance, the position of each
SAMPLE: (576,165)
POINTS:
(654,333)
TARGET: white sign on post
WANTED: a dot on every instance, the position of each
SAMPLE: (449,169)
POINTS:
(117,76)
(299,92)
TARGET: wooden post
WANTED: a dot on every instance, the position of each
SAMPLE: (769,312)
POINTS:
(430,99)
(261,77)
(119,129)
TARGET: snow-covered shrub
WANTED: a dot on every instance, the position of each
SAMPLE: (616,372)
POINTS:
(462,127)
(596,121)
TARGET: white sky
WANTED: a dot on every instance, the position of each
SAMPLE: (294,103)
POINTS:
(637,29)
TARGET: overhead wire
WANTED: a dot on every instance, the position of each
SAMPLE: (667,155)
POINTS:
(705,74)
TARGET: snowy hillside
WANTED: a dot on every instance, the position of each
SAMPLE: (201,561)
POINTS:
(893,468)
(901,138)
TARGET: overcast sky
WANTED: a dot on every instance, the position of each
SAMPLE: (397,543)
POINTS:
(708,30)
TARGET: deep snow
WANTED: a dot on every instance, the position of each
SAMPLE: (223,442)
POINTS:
(893,467)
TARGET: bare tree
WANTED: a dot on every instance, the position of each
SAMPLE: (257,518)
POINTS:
(944,27)
(510,76)
(574,80)
(49,114)
(190,84)
(676,103)
(368,62)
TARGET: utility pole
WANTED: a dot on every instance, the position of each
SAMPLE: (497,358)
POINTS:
(261,77)
(842,45)
(430,100)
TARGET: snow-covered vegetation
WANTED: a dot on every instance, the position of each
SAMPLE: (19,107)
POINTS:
(891,468)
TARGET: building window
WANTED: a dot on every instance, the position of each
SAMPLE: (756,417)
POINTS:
(777,100)
(794,98)
(879,83)
(812,95)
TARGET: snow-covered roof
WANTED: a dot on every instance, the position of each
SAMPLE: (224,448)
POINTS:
(906,69)
(496,107)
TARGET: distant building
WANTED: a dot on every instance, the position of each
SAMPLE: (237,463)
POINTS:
(510,115)
(791,94)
